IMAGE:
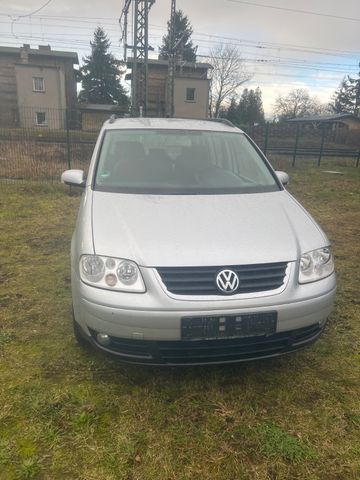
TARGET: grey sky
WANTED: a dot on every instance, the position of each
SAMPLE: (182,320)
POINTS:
(332,46)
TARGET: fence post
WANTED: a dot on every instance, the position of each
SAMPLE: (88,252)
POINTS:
(266,137)
(321,146)
(358,159)
(296,144)
(68,138)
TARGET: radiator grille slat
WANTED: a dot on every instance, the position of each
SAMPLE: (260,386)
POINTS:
(202,280)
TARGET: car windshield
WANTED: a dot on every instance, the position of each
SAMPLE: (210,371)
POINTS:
(163,161)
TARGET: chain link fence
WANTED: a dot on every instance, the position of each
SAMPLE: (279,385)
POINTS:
(39,144)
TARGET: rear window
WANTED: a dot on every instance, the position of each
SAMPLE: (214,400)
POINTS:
(181,162)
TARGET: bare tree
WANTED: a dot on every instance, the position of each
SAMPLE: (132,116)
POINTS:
(227,75)
(297,103)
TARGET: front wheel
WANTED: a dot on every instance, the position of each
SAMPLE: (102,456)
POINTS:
(79,334)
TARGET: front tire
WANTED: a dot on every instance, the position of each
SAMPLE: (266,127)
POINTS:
(79,333)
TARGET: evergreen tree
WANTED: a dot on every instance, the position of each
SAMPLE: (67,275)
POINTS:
(259,116)
(232,112)
(243,107)
(100,74)
(250,108)
(184,48)
(346,99)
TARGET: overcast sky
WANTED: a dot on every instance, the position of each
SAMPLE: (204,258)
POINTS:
(282,49)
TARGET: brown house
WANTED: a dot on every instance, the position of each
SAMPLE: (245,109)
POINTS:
(94,115)
(344,127)
(191,89)
(36,86)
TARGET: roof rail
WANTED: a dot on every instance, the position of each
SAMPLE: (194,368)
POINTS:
(225,121)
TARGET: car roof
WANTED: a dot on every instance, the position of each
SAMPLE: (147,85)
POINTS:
(216,125)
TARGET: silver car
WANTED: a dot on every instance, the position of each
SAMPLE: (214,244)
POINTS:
(188,250)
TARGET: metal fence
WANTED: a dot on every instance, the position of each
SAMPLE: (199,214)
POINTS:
(299,143)
(41,147)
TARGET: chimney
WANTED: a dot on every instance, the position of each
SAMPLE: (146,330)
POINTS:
(44,48)
(24,53)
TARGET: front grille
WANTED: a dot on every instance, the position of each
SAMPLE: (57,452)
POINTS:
(202,280)
(182,352)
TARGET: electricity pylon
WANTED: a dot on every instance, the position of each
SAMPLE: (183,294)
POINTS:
(140,48)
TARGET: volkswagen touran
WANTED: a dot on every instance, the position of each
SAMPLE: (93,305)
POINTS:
(189,250)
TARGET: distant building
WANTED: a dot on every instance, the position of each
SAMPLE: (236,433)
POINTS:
(36,86)
(344,127)
(335,120)
(94,115)
(191,88)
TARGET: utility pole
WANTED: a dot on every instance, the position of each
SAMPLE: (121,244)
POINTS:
(125,14)
(140,48)
(172,65)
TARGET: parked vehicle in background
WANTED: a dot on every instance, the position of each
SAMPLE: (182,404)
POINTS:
(188,250)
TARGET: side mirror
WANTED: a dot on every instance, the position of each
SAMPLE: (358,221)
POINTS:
(283,177)
(74,177)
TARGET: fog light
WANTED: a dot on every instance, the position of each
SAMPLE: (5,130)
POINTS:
(103,339)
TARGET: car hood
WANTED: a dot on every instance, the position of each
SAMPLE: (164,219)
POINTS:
(184,230)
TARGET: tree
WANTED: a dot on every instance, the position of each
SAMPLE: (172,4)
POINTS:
(232,113)
(346,99)
(227,75)
(297,103)
(250,109)
(184,48)
(100,74)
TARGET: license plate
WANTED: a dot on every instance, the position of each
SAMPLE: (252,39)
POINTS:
(229,326)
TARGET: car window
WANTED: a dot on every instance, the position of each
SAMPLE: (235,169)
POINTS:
(181,162)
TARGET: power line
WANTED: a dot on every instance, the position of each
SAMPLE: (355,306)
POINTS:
(274,45)
(243,42)
(16,17)
(29,15)
(294,10)
(258,62)
(4,14)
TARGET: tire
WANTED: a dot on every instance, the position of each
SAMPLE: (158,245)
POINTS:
(79,334)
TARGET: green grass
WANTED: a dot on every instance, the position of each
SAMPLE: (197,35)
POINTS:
(66,413)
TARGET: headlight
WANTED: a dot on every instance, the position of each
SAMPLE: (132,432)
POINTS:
(111,273)
(316,265)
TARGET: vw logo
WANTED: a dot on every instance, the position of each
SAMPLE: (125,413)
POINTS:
(227,281)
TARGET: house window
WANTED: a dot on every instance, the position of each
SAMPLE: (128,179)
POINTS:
(38,84)
(190,94)
(40,118)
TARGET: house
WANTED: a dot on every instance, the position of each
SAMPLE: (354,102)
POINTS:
(191,88)
(94,115)
(36,86)
(345,127)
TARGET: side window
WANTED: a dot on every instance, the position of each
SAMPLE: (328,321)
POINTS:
(38,84)
(190,94)
(40,118)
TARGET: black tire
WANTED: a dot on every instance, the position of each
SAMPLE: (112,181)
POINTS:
(79,334)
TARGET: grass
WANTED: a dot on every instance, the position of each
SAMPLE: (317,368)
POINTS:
(51,134)
(29,160)
(66,413)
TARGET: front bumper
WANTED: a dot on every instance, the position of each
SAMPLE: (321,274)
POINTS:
(208,352)
(147,327)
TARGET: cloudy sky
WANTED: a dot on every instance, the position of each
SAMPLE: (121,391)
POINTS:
(285,44)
